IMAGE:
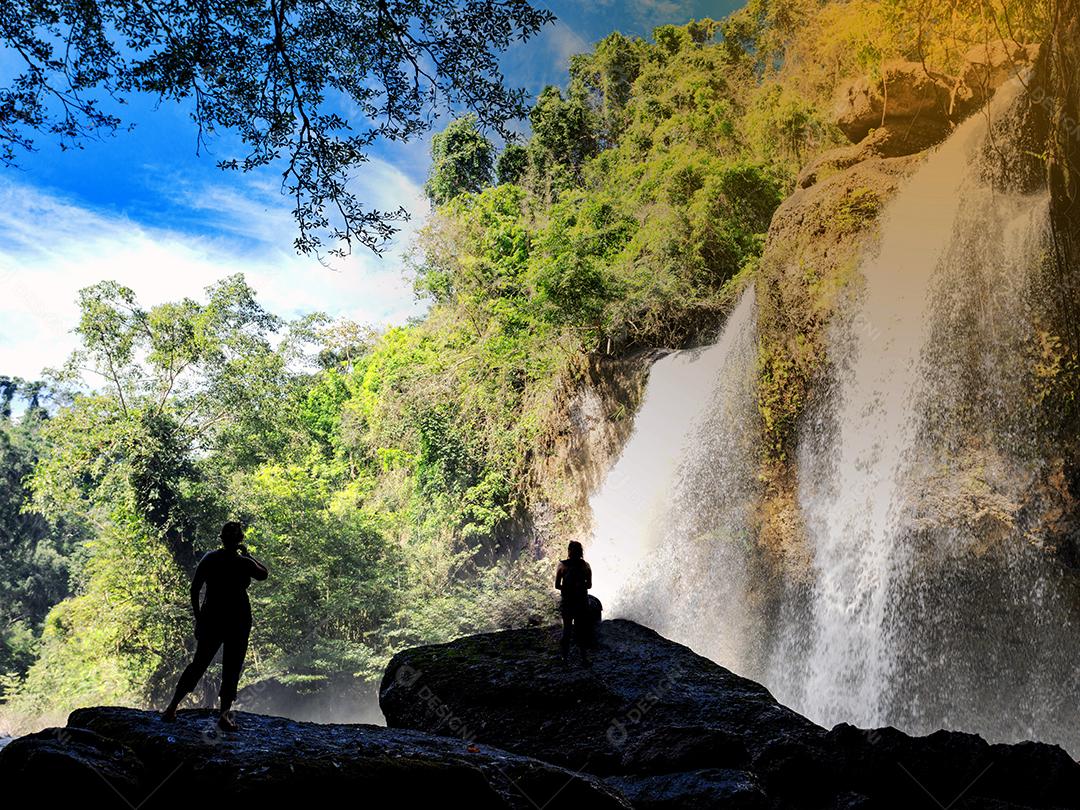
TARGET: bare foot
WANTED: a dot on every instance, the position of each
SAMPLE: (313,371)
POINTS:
(169,715)
(225,723)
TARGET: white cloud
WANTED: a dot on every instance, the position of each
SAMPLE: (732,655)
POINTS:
(51,247)
(545,58)
(564,42)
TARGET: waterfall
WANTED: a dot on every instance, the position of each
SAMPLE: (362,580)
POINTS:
(850,479)
(930,607)
(670,519)
(922,477)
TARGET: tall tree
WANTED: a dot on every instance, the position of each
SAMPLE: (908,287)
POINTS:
(564,133)
(462,160)
(34,552)
(181,379)
(275,72)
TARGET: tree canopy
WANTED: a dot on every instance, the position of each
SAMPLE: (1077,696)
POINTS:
(461,161)
(280,74)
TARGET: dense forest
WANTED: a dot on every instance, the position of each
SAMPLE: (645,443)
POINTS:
(386,477)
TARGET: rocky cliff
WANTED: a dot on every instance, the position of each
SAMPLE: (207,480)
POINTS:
(669,728)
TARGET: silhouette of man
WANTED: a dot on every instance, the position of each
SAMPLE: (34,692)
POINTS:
(223,620)
(573,578)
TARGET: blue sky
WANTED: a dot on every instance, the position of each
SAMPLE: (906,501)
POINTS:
(144,209)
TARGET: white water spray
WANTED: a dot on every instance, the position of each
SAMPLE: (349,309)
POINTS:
(674,507)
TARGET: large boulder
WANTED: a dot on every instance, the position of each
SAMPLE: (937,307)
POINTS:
(76,763)
(669,728)
(987,67)
(646,708)
(905,770)
(274,763)
(643,699)
(905,97)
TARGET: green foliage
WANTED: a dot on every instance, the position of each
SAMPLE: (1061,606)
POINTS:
(811,45)
(333,576)
(461,161)
(607,77)
(859,206)
(511,165)
(35,553)
(563,134)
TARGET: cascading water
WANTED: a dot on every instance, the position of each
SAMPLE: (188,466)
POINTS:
(928,428)
(675,506)
(930,603)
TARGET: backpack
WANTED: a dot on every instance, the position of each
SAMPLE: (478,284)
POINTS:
(573,582)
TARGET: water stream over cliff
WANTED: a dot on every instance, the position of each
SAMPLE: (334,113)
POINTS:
(671,519)
(930,603)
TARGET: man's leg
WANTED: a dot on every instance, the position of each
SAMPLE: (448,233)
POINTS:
(564,642)
(581,633)
(205,650)
(232,662)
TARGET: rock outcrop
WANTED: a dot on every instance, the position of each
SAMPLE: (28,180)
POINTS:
(668,728)
(274,763)
(919,107)
(987,67)
(498,721)
(905,97)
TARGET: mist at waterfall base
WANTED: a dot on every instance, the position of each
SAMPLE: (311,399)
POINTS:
(928,604)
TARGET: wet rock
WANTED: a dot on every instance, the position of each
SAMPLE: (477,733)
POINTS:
(646,707)
(906,97)
(277,763)
(669,728)
(890,141)
(987,67)
(76,765)
(951,766)
(509,689)
(650,725)
(706,788)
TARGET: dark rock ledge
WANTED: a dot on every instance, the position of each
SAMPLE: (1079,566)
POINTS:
(669,728)
(111,757)
(496,720)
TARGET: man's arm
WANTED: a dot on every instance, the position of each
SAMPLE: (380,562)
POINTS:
(559,577)
(588,577)
(258,570)
(197,583)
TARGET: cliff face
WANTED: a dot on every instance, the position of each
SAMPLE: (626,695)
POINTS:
(1056,101)
(581,441)
(1059,78)
(810,278)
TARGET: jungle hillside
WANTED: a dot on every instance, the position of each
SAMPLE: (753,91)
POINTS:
(413,484)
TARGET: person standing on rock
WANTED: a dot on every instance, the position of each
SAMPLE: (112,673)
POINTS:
(223,619)
(573,579)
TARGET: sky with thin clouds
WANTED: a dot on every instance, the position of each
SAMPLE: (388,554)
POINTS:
(142,208)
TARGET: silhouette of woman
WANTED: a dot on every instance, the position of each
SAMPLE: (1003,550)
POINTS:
(573,578)
(224,619)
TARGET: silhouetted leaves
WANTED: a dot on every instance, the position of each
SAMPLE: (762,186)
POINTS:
(309,85)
